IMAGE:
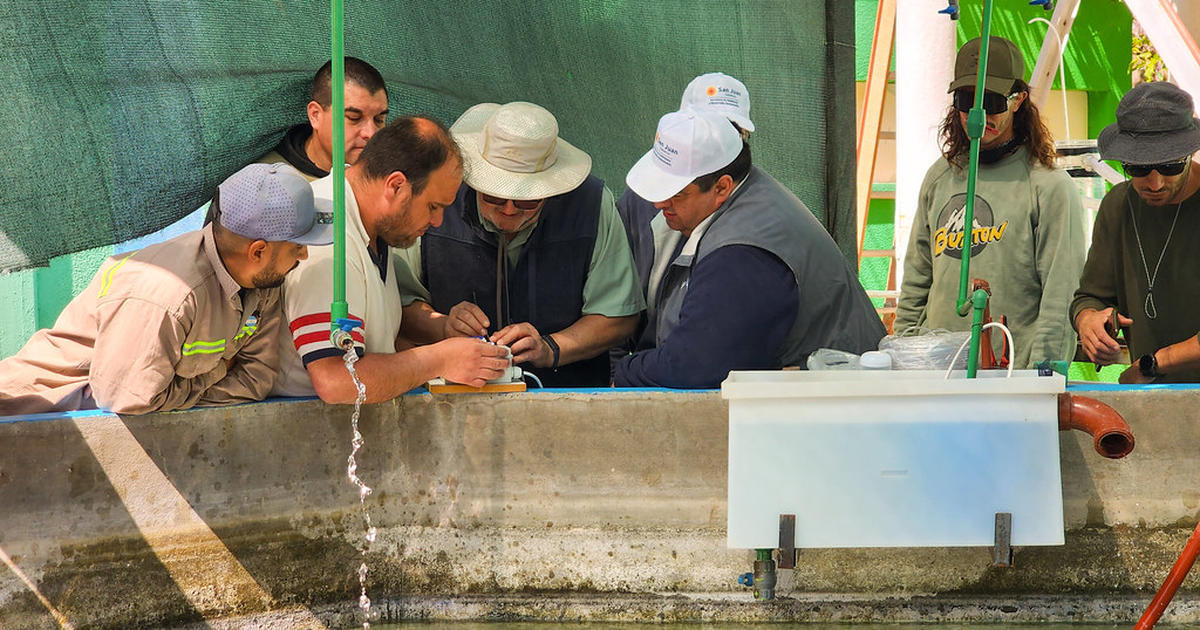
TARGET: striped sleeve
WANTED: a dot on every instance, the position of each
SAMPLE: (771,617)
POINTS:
(311,336)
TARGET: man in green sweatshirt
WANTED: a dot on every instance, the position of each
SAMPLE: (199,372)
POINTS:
(1027,237)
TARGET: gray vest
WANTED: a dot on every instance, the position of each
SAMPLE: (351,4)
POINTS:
(834,311)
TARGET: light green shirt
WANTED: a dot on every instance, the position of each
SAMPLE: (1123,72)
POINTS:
(611,288)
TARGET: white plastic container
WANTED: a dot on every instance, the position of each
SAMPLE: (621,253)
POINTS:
(875,360)
(893,458)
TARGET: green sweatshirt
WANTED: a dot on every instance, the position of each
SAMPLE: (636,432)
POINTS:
(1115,274)
(1028,244)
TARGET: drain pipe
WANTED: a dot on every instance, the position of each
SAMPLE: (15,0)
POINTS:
(1111,435)
(764,575)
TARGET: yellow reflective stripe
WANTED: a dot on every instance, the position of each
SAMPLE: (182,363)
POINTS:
(247,330)
(204,347)
(106,284)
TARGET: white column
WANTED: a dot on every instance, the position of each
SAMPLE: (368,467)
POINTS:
(925,48)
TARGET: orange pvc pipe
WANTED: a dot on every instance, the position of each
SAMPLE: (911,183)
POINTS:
(1184,564)
(1111,435)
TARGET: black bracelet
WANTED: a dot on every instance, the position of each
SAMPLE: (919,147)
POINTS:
(553,348)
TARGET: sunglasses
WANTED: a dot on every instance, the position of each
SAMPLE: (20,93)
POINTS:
(1170,169)
(526,205)
(993,103)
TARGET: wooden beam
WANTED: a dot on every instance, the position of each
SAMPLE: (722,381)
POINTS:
(872,112)
(1050,56)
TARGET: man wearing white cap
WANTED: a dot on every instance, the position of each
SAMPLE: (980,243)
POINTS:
(744,277)
(407,174)
(715,91)
(190,321)
(531,253)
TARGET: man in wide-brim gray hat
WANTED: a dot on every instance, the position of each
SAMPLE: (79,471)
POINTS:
(531,254)
(1140,273)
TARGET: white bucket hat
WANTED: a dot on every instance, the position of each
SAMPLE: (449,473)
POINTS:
(689,143)
(513,151)
(721,93)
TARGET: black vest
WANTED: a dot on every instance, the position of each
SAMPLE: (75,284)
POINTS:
(458,261)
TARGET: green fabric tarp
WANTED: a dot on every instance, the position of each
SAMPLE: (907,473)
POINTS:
(121,116)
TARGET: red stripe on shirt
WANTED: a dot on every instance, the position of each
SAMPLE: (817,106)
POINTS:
(318,318)
(319,336)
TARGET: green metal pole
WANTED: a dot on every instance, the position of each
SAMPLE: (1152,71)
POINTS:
(338,309)
(976,122)
(979,302)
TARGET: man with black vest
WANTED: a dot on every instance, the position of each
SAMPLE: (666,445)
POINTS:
(744,277)
(531,254)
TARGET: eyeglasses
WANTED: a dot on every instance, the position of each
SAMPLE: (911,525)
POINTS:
(527,204)
(993,103)
(1169,169)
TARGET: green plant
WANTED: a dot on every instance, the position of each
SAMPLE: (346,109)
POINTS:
(1147,60)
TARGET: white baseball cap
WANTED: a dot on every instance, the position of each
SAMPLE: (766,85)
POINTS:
(721,93)
(689,143)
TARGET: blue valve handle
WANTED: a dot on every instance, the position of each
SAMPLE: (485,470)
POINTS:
(339,336)
(746,579)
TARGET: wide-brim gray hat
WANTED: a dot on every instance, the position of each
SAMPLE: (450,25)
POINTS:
(513,151)
(1156,123)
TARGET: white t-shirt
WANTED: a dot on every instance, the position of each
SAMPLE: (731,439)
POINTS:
(371,294)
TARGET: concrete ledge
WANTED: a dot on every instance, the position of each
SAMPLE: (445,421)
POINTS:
(529,503)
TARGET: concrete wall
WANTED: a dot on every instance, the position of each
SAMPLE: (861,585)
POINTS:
(543,505)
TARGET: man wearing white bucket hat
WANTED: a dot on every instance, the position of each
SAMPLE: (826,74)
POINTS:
(744,277)
(1139,274)
(192,321)
(531,253)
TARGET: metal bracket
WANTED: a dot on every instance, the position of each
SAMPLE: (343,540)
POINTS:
(1002,552)
(787,541)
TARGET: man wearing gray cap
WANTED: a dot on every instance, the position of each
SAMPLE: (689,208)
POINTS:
(1140,275)
(1027,236)
(190,321)
(744,277)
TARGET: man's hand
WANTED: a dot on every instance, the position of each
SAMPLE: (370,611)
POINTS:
(472,361)
(1099,343)
(1133,376)
(526,344)
(465,320)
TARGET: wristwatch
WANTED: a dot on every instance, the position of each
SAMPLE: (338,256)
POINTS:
(1148,365)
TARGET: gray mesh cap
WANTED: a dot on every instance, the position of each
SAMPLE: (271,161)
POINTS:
(274,203)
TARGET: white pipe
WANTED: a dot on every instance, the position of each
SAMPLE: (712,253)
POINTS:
(1062,73)
(925,49)
(1101,168)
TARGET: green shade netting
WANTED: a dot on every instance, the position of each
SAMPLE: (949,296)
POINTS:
(122,116)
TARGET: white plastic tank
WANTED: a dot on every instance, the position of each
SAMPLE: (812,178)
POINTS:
(893,458)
